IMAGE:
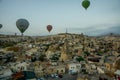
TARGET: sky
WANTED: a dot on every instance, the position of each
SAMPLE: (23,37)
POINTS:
(102,16)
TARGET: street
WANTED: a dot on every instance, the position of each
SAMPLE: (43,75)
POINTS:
(65,77)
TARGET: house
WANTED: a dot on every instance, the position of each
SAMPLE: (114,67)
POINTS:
(83,66)
(73,68)
(60,69)
(109,64)
(48,54)
(55,69)
(92,69)
(38,68)
(100,70)
(117,73)
(20,66)
(5,74)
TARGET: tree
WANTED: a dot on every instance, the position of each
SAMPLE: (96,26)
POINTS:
(87,53)
(99,53)
(55,57)
(42,57)
(80,58)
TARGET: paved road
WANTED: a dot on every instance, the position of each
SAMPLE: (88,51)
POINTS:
(65,77)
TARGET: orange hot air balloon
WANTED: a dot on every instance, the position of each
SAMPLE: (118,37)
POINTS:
(49,27)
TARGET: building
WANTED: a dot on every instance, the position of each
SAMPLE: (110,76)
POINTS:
(74,68)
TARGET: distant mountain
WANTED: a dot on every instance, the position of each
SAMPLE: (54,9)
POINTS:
(112,31)
(111,34)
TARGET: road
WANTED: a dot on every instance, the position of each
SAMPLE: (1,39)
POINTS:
(65,77)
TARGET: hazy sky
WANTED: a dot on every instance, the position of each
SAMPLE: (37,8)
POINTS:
(102,16)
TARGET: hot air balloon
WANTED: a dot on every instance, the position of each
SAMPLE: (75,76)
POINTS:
(86,4)
(0,26)
(22,25)
(49,27)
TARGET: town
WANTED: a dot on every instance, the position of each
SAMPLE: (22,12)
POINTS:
(63,56)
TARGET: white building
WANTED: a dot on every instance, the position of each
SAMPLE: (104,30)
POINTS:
(74,68)
(5,74)
(20,66)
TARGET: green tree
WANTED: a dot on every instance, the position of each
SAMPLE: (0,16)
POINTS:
(42,57)
(55,57)
(87,53)
(80,58)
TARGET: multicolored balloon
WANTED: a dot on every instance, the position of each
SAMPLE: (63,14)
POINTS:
(86,4)
(22,25)
(49,27)
(0,26)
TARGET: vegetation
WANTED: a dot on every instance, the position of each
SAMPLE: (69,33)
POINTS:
(42,57)
(7,44)
(99,53)
(80,58)
(15,49)
(87,53)
(55,57)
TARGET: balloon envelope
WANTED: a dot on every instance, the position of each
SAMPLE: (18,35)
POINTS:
(22,25)
(0,26)
(49,27)
(86,4)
